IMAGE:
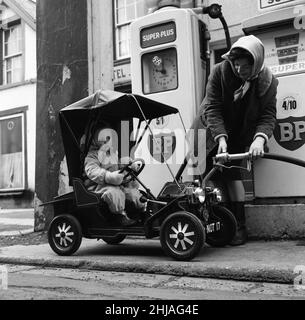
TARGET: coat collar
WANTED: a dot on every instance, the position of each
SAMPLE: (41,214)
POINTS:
(264,81)
(264,78)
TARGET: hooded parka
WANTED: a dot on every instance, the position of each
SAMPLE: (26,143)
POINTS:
(252,114)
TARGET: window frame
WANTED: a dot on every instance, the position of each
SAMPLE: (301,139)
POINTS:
(5,116)
(11,24)
(117,27)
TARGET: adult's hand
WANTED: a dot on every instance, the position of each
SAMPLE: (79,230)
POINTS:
(257,147)
(222,145)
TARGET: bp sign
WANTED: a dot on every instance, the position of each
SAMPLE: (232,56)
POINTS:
(162,146)
(289,133)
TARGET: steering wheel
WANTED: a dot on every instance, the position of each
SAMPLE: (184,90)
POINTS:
(131,173)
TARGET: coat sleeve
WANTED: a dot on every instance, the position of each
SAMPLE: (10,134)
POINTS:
(212,107)
(93,169)
(267,119)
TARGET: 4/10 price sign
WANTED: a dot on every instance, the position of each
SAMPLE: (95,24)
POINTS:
(263,4)
(289,103)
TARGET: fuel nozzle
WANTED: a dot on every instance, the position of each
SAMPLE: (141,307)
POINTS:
(214,11)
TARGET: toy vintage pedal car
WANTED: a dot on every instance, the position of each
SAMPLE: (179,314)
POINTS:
(184,215)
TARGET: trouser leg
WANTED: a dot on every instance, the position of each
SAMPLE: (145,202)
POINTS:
(115,198)
(134,195)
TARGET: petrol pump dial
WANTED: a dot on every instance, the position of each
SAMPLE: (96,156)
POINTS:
(160,71)
(164,71)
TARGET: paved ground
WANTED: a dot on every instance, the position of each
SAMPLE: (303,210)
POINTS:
(39,283)
(16,222)
(255,261)
(26,239)
(268,261)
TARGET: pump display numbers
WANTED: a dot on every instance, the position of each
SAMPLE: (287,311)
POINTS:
(160,71)
(287,40)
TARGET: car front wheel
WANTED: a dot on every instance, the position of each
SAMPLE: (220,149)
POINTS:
(182,235)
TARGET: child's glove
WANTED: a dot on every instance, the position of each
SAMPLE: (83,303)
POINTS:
(115,178)
(136,166)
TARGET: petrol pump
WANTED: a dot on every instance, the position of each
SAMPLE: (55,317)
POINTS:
(169,61)
(283,36)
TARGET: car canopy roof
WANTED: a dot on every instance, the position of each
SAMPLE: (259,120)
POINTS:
(116,105)
(104,105)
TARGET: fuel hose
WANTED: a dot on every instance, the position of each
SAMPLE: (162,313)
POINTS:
(283,158)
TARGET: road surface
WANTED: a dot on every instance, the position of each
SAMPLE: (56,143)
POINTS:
(31,282)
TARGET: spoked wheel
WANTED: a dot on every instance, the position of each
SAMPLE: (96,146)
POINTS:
(228,227)
(115,239)
(182,235)
(65,235)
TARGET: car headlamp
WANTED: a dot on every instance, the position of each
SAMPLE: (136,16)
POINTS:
(200,194)
(217,195)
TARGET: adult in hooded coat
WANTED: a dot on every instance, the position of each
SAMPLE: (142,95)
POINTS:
(239,113)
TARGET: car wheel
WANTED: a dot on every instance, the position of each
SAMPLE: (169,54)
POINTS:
(115,239)
(65,235)
(182,235)
(228,227)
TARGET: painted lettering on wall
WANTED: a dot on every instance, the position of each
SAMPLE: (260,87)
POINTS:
(121,74)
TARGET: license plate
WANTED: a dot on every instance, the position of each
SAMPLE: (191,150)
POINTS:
(213,227)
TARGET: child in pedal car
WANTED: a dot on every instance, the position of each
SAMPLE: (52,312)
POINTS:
(103,176)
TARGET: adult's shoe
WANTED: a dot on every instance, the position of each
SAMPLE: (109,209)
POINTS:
(240,237)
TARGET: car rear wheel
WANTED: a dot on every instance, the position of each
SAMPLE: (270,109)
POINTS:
(65,235)
(182,235)
(227,230)
(114,239)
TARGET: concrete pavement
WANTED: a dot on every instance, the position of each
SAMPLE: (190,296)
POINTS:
(269,261)
(273,261)
(16,221)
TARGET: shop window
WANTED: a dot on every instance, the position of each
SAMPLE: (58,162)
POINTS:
(12,154)
(12,69)
(125,12)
